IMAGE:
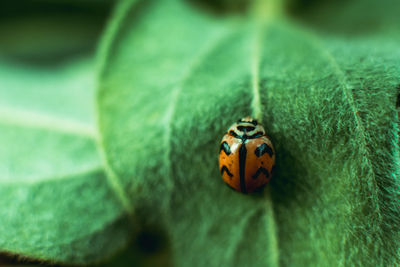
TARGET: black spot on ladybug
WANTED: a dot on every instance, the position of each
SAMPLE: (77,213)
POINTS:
(232,133)
(225,147)
(262,149)
(259,171)
(254,136)
(246,128)
(225,169)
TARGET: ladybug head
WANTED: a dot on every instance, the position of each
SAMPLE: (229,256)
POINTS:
(246,128)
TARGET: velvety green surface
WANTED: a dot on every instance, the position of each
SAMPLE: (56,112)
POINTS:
(55,201)
(85,172)
(170,85)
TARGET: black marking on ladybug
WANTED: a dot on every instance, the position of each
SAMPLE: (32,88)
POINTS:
(225,169)
(262,149)
(242,165)
(259,171)
(225,147)
(232,133)
(254,136)
(246,129)
(245,137)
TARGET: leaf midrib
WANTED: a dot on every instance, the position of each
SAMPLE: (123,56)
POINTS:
(261,28)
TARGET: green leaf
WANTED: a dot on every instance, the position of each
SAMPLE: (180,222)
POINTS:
(56,202)
(174,77)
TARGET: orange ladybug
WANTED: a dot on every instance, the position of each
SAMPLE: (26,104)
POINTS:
(246,156)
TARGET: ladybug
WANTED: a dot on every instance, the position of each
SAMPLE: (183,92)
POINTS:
(246,156)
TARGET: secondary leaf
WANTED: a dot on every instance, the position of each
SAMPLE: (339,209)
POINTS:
(173,78)
(51,32)
(56,203)
(351,18)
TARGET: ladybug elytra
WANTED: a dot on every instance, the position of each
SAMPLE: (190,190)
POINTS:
(246,156)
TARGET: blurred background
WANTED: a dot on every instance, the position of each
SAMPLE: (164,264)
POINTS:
(44,33)
(48,46)
(47,56)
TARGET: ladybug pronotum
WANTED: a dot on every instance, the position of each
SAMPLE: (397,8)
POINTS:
(246,156)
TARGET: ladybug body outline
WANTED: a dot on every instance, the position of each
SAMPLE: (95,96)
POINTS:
(246,156)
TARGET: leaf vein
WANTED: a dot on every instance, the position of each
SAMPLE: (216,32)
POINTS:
(218,38)
(116,184)
(37,120)
(350,99)
(76,174)
(120,14)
